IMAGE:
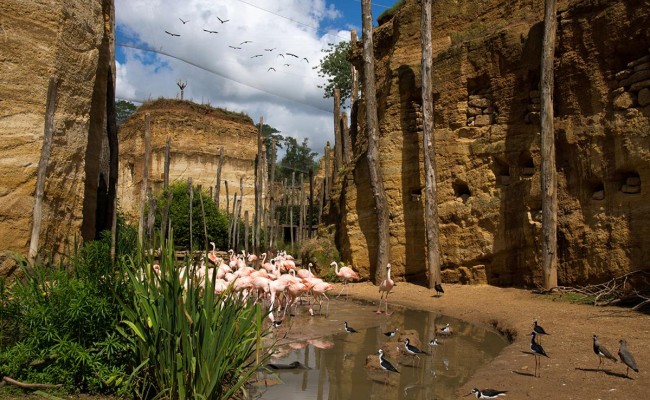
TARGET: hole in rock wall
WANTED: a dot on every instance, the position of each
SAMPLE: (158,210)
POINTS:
(533,99)
(630,182)
(481,110)
(501,170)
(526,163)
(461,190)
(597,189)
(416,194)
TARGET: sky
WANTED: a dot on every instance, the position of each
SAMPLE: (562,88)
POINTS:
(242,64)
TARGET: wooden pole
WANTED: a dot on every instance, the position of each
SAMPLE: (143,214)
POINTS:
(338,142)
(145,174)
(231,241)
(272,193)
(48,132)
(246,225)
(310,219)
(354,96)
(205,225)
(327,170)
(113,148)
(301,220)
(372,128)
(151,218)
(190,190)
(322,199)
(549,174)
(258,189)
(217,187)
(347,139)
(291,197)
(428,149)
(225,183)
(164,213)
(239,206)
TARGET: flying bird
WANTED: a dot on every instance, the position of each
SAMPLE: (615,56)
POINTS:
(209,31)
(292,55)
(305,58)
(287,65)
(245,41)
(223,20)
(234,47)
(270,68)
(256,55)
(184,22)
(172,34)
(270,49)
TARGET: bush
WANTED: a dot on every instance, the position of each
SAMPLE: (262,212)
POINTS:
(179,211)
(190,343)
(320,251)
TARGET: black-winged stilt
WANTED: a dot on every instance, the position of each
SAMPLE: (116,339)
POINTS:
(602,352)
(538,330)
(439,289)
(538,352)
(386,365)
(487,393)
(391,333)
(412,350)
(627,358)
(349,329)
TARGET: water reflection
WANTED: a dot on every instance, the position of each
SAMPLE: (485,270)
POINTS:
(337,363)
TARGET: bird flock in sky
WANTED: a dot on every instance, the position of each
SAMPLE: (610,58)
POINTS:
(249,46)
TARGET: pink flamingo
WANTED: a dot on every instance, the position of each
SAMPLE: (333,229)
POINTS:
(212,256)
(346,274)
(384,288)
(318,290)
(305,273)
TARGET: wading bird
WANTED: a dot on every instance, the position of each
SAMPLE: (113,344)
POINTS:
(439,289)
(487,393)
(538,330)
(386,365)
(346,274)
(602,352)
(412,350)
(538,352)
(384,289)
(626,357)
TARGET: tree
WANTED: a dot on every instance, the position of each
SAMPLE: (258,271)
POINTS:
(549,175)
(337,69)
(124,109)
(298,158)
(268,134)
(372,129)
(428,149)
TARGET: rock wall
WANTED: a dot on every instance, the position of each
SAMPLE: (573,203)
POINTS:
(197,133)
(486,105)
(72,40)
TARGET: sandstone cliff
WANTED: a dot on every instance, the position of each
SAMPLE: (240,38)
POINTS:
(485,78)
(196,133)
(72,40)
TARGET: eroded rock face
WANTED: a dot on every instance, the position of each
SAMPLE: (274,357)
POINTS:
(485,79)
(72,40)
(196,133)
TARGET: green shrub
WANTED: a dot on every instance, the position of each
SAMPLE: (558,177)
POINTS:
(179,212)
(190,343)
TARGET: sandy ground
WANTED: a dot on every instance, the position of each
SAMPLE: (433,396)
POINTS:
(572,371)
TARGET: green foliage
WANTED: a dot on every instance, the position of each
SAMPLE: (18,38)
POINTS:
(179,212)
(320,251)
(190,343)
(389,13)
(268,134)
(124,110)
(336,68)
(298,158)
(63,319)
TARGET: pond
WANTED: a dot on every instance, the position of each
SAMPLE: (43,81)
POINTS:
(336,362)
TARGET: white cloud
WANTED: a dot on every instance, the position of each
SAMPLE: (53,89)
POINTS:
(288,98)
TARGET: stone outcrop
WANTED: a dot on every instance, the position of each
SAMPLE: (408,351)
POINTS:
(486,75)
(197,133)
(73,41)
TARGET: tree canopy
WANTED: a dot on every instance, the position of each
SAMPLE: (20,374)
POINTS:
(298,158)
(336,68)
(124,110)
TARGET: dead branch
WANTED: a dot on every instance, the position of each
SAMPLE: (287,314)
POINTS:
(30,385)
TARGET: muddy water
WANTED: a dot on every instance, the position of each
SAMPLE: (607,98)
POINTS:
(336,360)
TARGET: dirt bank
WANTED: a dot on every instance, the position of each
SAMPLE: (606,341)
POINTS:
(571,371)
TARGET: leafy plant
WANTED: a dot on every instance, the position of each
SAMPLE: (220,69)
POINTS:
(336,68)
(190,342)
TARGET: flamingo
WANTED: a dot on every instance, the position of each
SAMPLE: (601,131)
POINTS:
(305,273)
(345,273)
(319,291)
(384,288)
(212,256)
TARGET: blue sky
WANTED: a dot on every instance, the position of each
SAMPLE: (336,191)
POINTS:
(259,61)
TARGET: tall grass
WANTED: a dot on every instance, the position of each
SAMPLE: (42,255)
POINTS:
(190,342)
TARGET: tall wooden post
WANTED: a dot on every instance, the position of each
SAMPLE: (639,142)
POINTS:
(310,218)
(549,174)
(151,219)
(48,131)
(205,225)
(301,219)
(271,193)
(225,183)
(428,150)
(190,190)
(372,129)
(347,139)
(164,213)
(113,163)
(258,188)
(217,187)
(292,195)
(354,95)
(328,177)
(338,142)
(246,231)
(145,175)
